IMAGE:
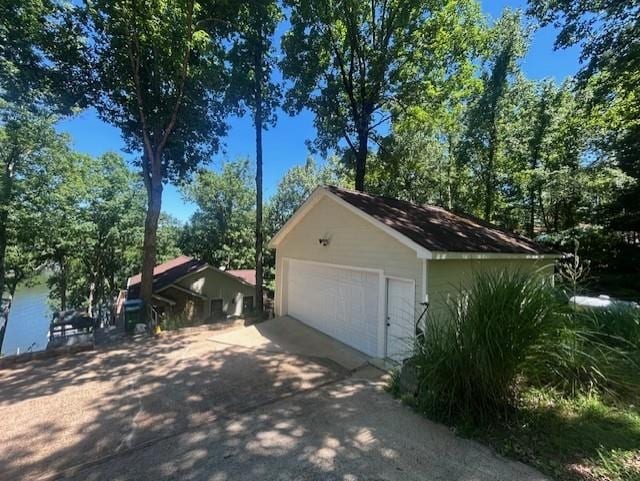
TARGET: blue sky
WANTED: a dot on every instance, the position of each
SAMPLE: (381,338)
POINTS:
(284,144)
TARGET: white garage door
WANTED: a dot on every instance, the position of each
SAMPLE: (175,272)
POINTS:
(342,303)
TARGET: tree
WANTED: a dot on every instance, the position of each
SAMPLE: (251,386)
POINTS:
(32,153)
(94,225)
(609,34)
(169,234)
(542,112)
(34,39)
(483,135)
(37,39)
(220,232)
(61,213)
(296,186)
(114,208)
(38,159)
(82,217)
(156,71)
(355,64)
(419,160)
(563,147)
(107,235)
(253,61)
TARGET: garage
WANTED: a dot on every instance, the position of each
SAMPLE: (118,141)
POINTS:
(368,270)
(341,301)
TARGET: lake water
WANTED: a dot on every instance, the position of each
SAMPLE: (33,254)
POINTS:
(29,319)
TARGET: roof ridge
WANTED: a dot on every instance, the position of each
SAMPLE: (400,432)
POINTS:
(436,227)
(426,205)
(164,267)
(377,196)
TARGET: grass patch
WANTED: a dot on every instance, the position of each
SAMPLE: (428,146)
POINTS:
(585,437)
(175,322)
(577,438)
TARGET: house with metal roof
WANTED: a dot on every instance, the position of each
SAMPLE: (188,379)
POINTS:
(194,290)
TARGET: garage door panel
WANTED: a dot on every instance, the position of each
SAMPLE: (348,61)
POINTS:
(342,303)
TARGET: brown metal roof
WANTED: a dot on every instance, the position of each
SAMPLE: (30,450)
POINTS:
(247,275)
(436,229)
(165,274)
(171,271)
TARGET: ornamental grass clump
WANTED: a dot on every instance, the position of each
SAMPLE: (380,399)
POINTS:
(618,326)
(472,357)
(593,350)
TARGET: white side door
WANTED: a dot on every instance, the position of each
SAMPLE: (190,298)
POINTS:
(401,296)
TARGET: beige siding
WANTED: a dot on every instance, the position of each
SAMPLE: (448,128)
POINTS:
(445,277)
(186,306)
(353,242)
(217,285)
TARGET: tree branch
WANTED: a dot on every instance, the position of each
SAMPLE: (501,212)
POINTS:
(385,119)
(134,58)
(348,86)
(183,77)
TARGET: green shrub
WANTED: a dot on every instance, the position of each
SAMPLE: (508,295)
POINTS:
(619,327)
(593,350)
(510,330)
(609,251)
(172,322)
(470,360)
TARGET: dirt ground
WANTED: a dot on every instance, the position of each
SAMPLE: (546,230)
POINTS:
(196,406)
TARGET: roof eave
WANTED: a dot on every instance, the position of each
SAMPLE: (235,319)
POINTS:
(300,212)
(321,192)
(444,255)
(421,252)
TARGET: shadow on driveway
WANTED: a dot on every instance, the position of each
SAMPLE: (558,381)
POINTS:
(66,411)
(186,407)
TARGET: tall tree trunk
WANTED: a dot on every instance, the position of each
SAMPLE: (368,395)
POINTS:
(489,178)
(543,213)
(6,192)
(154,205)
(361,159)
(534,184)
(457,168)
(532,211)
(449,201)
(258,124)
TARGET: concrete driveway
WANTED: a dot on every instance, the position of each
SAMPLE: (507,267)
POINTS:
(276,401)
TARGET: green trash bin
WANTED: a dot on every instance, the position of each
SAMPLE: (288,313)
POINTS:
(133,314)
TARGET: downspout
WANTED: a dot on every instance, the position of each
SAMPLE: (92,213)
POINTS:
(419,332)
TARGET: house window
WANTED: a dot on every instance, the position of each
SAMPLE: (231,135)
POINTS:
(247,304)
(217,308)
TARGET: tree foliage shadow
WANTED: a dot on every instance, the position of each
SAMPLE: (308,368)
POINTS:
(139,394)
(186,408)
